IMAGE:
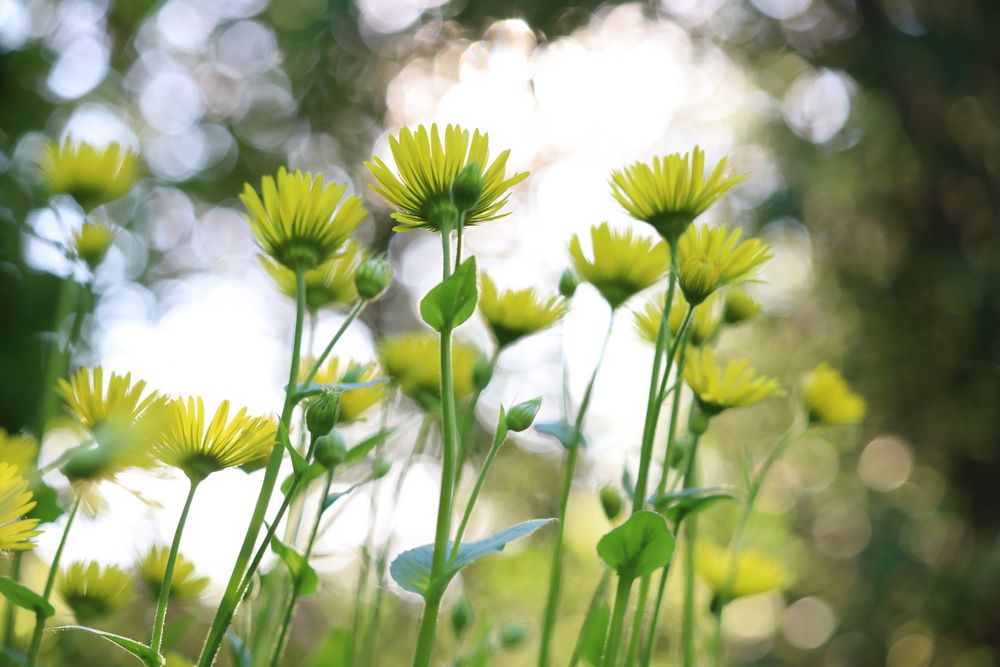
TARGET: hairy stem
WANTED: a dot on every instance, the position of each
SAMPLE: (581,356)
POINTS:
(160,619)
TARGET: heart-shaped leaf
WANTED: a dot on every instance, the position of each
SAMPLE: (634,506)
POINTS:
(638,547)
(453,300)
(304,577)
(148,656)
(24,597)
(567,434)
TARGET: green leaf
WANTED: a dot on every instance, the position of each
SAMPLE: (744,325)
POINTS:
(241,656)
(565,433)
(46,508)
(452,301)
(299,464)
(313,388)
(638,547)
(628,484)
(593,633)
(678,504)
(148,656)
(412,569)
(303,575)
(335,650)
(24,597)
(313,471)
(331,498)
(361,449)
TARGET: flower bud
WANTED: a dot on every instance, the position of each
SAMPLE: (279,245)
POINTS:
(568,282)
(381,468)
(523,414)
(611,502)
(331,450)
(372,278)
(92,243)
(739,307)
(698,279)
(698,418)
(467,187)
(443,215)
(512,635)
(322,413)
(482,372)
(461,616)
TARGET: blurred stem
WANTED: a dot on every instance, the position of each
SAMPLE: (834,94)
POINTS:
(617,621)
(55,360)
(351,316)
(470,416)
(573,450)
(595,602)
(688,651)
(156,639)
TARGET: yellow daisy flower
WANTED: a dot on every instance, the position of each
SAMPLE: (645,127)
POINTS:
(672,191)
(739,306)
(329,284)
(513,314)
(199,451)
(296,218)
(829,399)
(704,323)
(413,361)
(623,263)
(18,450)
(754,572)
(428,169)
(15,502)
(735,386)
(94,592)
(184,585)
(354,403)
(91,175)
(177,660)
(709,258)
(92,241)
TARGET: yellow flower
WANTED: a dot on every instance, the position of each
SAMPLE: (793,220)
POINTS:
(754,572)
(296,218)
(427,173)
(710,258)
(513,314)
(329,284)
(92,242)
(177,660)
(91,175)
(704,323)
(623,263)
(185,584)
(829,399)
(199,451)
(739,306)
(15,502)
(735,386)
(671,192)
(18,450)
(413,361)
(353,402)
(94,592)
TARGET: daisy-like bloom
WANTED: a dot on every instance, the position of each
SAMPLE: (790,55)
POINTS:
(177,660)
(184,585)
(329,284)
(92,241)
(623,263)
(739,306)
(354,403)
(94,592)
(296,218)
(735,386)
(18,450)
(199,450)
(514,314)
(15,502)
(672,191)
(428,169)
(413,361)
(710,258)
(91,175)
(754,572)
(829,399)
(704,323)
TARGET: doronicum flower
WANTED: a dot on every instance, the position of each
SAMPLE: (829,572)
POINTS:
(739,307)
(623,263)
(92,241)
(514,314)
(672,191)
(15,502)
(710,258)
(736,385)
(297,220)
(199,450)
(94,592)
(704,323)
(754,572)
(18,450)
(354,403)
(413,361)
(184,585)
(91,175)
(328,284)
(829,399)
(428,185)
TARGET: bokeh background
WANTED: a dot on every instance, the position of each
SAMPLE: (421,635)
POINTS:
(871,133)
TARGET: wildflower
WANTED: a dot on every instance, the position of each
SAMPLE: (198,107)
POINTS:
(94,592)
(354,403)
(428,186)
(514,314)
(328,284)
(373,278)
(92,242)
(739,307)
(18,450)
(754,572)
(413,361)
(199,451)
(709,258)
(623,264)
(735,386)
(184,584)
(829,399)
(91,175)
(704,323)
(671,192)
(296,218)
(15,502)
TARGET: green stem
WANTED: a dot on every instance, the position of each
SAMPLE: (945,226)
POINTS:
(617,621)
(55,360)
(688,649)
(156,640)
(595,601)
(470,414)
(636,631)
(351,316)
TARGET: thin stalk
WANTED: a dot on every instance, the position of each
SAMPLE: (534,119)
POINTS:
(159,621)
(351,316)
(595,601)
(54,363)
(636,632)
(617,621)
(498,440)
(470,414)
(688,650)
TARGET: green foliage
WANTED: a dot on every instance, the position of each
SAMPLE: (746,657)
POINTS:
(144,653)
(24,597)
(304,577)
(640,546)
(453,300)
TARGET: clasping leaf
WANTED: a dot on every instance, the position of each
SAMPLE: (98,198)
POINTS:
(452,301)
(640,546)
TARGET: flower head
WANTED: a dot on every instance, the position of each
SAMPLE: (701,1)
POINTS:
(709,258)
(92,241)
(185,584)
(672,191)
(739,306)
(704,323)
(91,175)
(296,218)
(623,263)
(829,399)
(18,450)
(94,592)
(354,403)
(199,450)
(754,572)
(428,174)
(15,502)
(413,361)
(513,314)
(328,284)
(735,386)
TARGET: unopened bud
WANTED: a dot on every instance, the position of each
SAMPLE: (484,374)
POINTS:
(568,282)
(522,415)
(372,278)
(512,635)
(381,468)
(611,502)
(331,450)
(461,616)
(322,413)
(482,372)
